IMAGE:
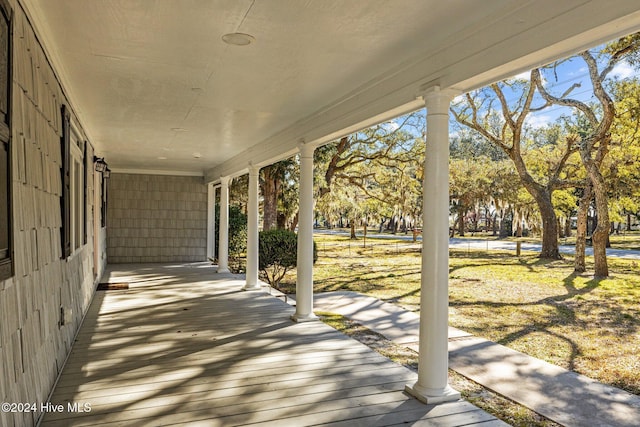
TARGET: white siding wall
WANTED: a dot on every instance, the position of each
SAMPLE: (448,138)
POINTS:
(33,344)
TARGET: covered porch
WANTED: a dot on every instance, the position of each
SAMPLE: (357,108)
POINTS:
(173,102)
(186,346)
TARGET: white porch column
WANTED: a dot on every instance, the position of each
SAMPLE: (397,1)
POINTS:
(223,244)
(252,231)
(304,283)
(433,359)
(211,221)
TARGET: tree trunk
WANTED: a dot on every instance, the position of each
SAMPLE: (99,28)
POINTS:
(270,188)
(333,167)
(474,221)
(518,224)
(567,227)
(487,220)
(495,224)
(503,222)
(601,231)
(600,238)
(560,229)
(461,216)
(550,248)
(353,229)
(396,225)
(542,196)
(294,222)
(628,222)
(579,265)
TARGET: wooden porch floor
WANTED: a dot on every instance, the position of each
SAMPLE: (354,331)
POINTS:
(185,346)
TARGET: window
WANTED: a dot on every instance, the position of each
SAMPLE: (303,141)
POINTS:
(103,207)
(6,244)
(65,170)
(77,191)
(72,203)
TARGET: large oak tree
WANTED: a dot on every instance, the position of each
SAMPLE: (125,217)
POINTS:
(498,113)
(595,137)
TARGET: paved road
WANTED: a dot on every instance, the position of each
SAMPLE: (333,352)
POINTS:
(535,247)
(496,244)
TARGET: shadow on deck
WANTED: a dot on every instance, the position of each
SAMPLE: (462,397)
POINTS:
(186,346)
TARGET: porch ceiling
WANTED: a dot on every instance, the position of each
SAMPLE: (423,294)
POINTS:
(157,89)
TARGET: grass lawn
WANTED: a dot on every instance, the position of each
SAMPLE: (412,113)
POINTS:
(538,307)
(627,240)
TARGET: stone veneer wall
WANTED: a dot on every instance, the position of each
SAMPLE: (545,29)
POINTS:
(156,218)
(33,341)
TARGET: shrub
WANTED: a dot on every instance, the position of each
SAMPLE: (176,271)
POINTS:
(237,232)
(237,237)
(278,253)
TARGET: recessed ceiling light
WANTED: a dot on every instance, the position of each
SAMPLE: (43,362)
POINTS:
(162,158)
(197,155)
(238,39)
(179,129)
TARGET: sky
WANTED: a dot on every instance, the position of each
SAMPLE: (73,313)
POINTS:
(570,72)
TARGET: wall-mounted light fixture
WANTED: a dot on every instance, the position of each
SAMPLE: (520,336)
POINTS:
(100,164)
